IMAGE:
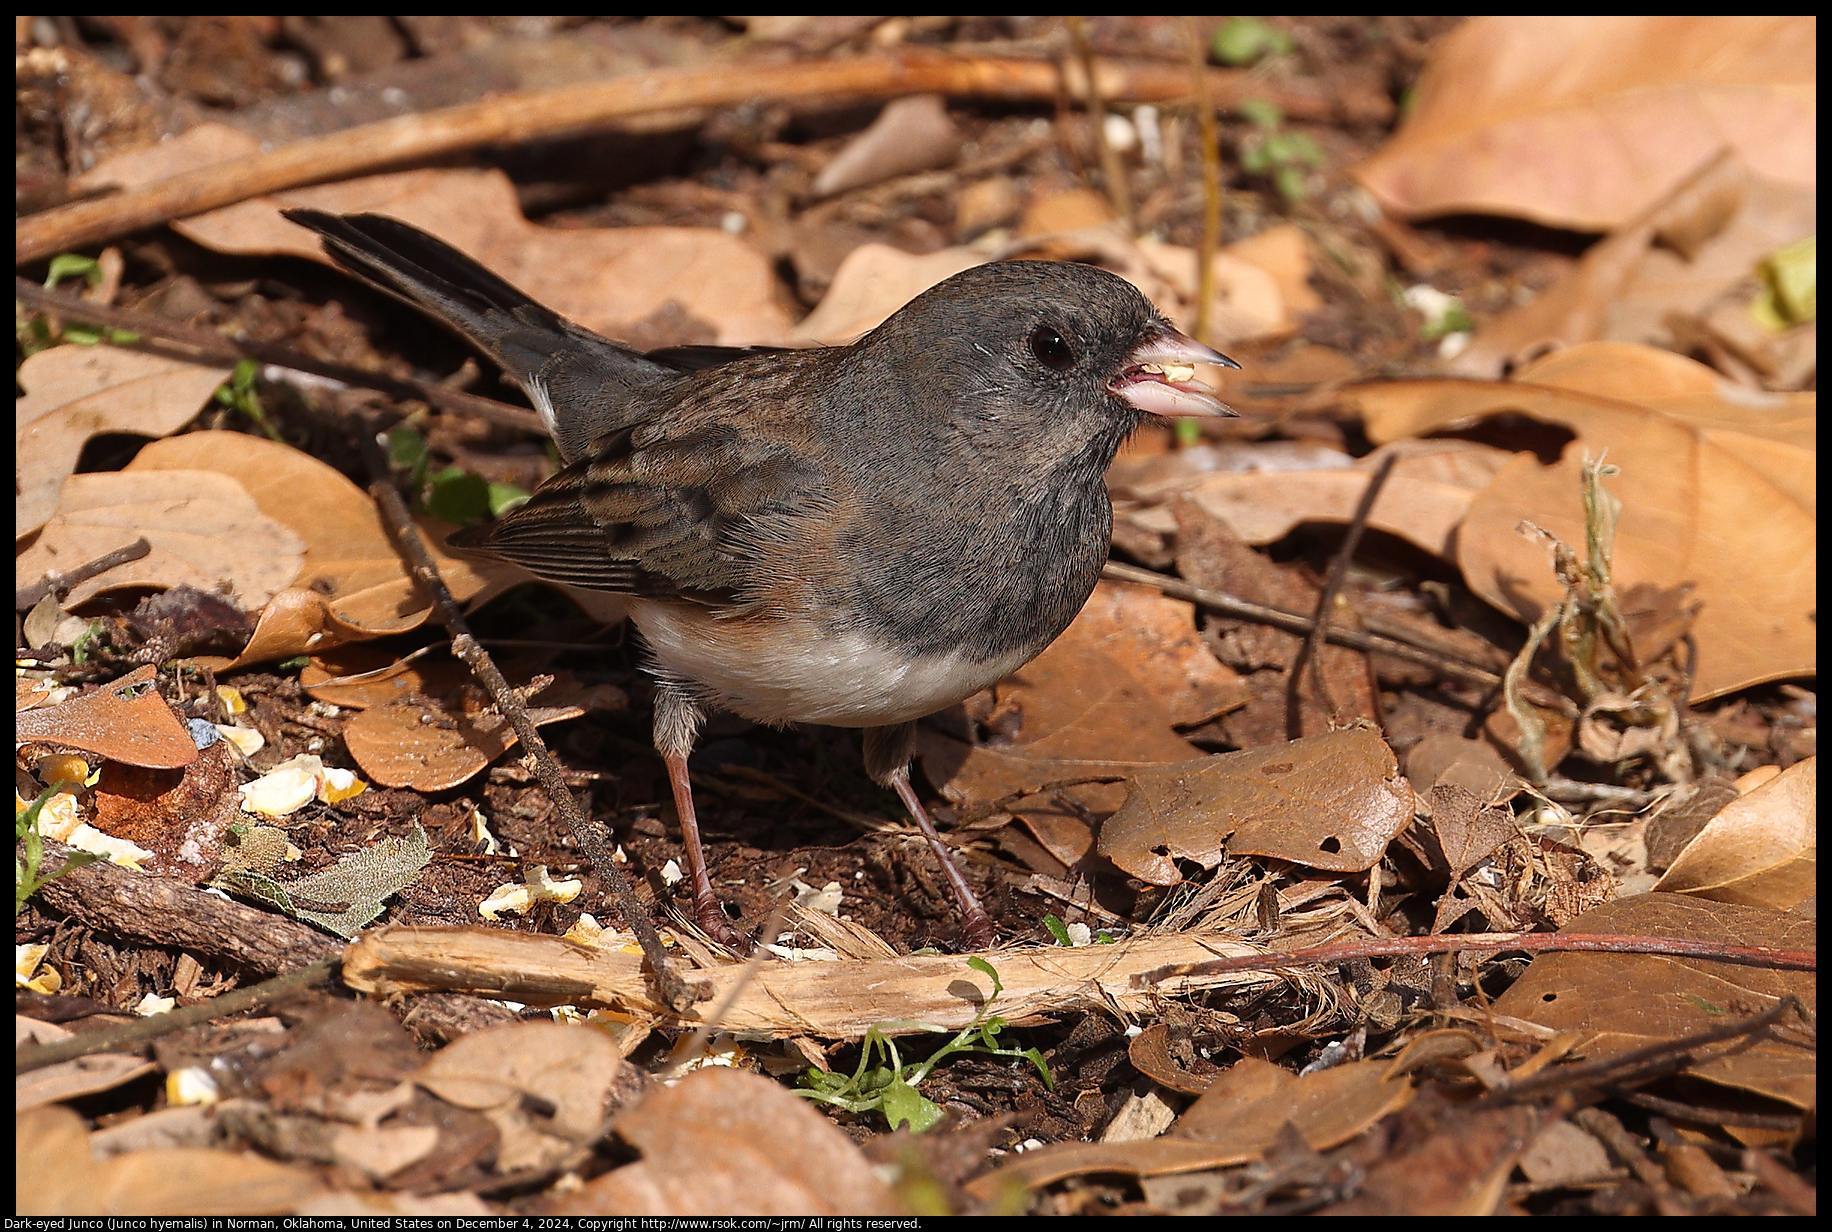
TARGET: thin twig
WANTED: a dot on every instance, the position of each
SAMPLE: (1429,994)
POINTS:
(1291,622)
(672,990)
(127,1035)
(1309,656)
(1209,134)
(1532,943)
(1699,1114)
(1119,192)
(506,119)
(30,596)
(201,346)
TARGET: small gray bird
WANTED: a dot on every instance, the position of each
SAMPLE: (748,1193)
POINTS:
(859,535)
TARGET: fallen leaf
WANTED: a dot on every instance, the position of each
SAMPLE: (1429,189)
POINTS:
(617,281)
(126,721)
(1761,849)
(1425,498)
(1332,801)
(1455,1165)
(721,1142)
(1621,1002)
(545,1085)
(204,529)
(1586,121)
(422,745)
(180,817)
(1686,486)
(345,897)
(56,1176)
(73,393)
(1154,637)
(353,581)
(910,134)
(1246,303)
(874,281)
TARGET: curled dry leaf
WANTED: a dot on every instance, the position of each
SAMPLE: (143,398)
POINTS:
(57,1175)
(910,134)
(1696,456)
(1621,1002)
(566,1072)
(352,584)
(721,1142)
(73,393)
(1586,121)
(205,530)
(701,283)
(874,281)
(1426,495)
(1762,849)
(126,721)
(421,745)
(1332,801)
(1237,1120)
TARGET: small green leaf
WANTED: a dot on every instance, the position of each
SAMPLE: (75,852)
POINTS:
(458,496)
(903,1104)
(1053,924)
(1239,41)
(506,496)
(1260,113)
(1291,183)
(72,265)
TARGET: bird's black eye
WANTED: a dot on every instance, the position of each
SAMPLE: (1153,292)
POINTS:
(1051,349)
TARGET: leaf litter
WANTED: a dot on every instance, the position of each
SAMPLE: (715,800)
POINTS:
(1122,778)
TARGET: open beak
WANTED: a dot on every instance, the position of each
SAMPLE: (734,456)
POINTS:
(1159,377)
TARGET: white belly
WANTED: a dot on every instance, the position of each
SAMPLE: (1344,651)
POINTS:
(794,673)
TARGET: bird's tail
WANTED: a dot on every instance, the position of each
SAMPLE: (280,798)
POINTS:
(559,364)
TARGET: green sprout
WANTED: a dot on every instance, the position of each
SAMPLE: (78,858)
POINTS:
(27,864)
(889,1087)
(1240,41)
(239,392)
(34,333)
(1286,158)
(453,494)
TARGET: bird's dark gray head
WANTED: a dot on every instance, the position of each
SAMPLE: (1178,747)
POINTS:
(1039,350)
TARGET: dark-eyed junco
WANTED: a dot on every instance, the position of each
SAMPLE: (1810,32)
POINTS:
(858,535)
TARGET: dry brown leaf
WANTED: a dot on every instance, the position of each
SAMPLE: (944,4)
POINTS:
(126,721)
(1235,1122)
(1423,502)
(181,818)
(1687,488)
(1154,1054)
(564,1072)
(73,393)
(1154,637)
(1621,1002)
(910,134)
(422,745)
(1077,713)
(1586,121)
(204,528)
(354,583)
(692,284)
(1283,251)
(1332,801)
(874,281)
(1247,301)
(1458,1166)
(1657,277)
(56,1176)
(721,1142)
(1762,849)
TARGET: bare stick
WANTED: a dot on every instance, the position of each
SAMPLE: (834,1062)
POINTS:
(116,1039)
(1119,192)
(1310,655)
(29,596)
(1209,134)
(201,346)
(527,116)
(672,988)
(1532,943)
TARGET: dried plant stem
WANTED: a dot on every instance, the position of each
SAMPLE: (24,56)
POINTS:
(115,1039)
(1532,943)
(1310,655)
(526,116)
(673,990)
(201,346)
(1208,135)
(1119,192)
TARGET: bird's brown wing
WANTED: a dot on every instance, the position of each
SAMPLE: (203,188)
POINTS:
(697,507)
